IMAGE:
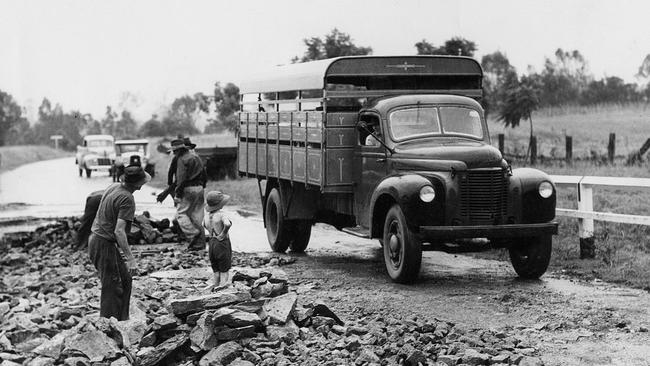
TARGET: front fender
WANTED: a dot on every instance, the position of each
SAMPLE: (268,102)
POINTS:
(405,191)
(534,208)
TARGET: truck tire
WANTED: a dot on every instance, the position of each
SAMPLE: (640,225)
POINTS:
(300,235)
(402,248)
(81,172)
(88,173)
(530,256)
(278,229)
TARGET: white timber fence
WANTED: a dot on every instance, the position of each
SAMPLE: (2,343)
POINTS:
(585,213)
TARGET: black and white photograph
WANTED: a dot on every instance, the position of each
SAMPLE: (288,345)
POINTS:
(324,182)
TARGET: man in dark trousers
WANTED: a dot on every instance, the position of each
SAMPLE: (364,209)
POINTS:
(116,211)
(90,211)
(190,201)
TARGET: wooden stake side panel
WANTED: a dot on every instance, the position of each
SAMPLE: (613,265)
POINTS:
(340,137)
(314,168)
(338,167)
(343,119)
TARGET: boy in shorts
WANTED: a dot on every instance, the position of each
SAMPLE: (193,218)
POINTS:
(219,248)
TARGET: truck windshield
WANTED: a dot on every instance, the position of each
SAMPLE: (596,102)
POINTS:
(411,123)
(100,143)
(129,148)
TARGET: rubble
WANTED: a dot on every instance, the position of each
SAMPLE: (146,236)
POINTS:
(49,315)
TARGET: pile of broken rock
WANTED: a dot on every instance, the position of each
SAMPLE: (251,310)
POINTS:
(49,315)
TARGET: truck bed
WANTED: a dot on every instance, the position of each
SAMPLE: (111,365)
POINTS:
(313,148)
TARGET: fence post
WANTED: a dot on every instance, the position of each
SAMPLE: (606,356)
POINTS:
(569,149)
(502,143)
(533,150)
(586,226)
(611,147)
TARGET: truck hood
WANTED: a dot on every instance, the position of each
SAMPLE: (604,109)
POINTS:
(459,155)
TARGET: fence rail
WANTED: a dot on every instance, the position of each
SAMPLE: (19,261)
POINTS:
(585,213)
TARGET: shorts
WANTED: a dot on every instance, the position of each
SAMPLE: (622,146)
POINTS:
(220,254)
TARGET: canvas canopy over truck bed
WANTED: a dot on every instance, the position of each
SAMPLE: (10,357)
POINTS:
(297,121)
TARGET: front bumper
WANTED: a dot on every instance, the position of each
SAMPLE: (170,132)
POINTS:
(488,231)
(100,167)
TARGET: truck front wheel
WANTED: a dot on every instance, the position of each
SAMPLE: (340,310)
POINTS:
(402,248)
(300,235)
(88,173)
(530,256)
(278,229)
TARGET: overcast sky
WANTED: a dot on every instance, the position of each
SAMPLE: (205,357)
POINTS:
(86,54)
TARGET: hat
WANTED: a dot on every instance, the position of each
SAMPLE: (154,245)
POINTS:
(177,144)
(215,200)
(188,143)
(134,174)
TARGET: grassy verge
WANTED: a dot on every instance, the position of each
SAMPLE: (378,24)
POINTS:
(12,157)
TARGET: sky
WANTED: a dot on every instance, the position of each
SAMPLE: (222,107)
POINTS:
(141,55)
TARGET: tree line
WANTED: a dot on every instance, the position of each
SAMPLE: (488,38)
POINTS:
(564,80)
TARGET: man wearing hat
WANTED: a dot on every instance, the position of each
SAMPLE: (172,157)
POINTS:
(116,211)
(190,182)
(171,173)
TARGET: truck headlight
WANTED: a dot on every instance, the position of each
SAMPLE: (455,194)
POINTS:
(545,189)
(427,194)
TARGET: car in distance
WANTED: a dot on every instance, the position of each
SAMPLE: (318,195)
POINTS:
(95,154)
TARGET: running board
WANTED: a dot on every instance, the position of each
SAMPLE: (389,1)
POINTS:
(357,231)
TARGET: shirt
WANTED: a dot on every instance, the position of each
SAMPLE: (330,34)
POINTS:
(215,223)
(189,168)
(117,203)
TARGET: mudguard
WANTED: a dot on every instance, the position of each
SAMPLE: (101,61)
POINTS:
(404,190)
(534,208)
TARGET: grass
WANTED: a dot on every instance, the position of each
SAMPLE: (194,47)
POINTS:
(12,157)
(589,126)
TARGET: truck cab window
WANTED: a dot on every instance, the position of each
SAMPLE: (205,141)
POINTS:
(365,136)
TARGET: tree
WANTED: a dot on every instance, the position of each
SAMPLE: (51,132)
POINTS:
(456,46)
(152,127)
(181,116)
(498,74)
(125,127)
(108,123)
(334,44)
(10,115)
(520,102)
(227,102)
(564,78)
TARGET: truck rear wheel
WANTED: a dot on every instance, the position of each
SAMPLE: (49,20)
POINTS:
(278,229)
(300,235)
(402,248)
(531,257)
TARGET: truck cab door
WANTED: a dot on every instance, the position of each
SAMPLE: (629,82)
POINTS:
(370,166)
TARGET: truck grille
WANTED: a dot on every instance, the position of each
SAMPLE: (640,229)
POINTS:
(103,161)
(483,196)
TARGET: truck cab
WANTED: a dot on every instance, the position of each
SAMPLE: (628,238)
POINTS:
(391,148)
(96,153)
(132,152)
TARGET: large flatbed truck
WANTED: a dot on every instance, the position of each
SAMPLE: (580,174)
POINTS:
(391,148)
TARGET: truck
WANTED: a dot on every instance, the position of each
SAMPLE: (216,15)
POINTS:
(132,152)
(96,153)
(390,148)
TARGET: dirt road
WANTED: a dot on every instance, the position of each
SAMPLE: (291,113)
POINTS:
(568,321)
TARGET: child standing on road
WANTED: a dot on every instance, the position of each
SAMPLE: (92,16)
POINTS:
(219,248)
